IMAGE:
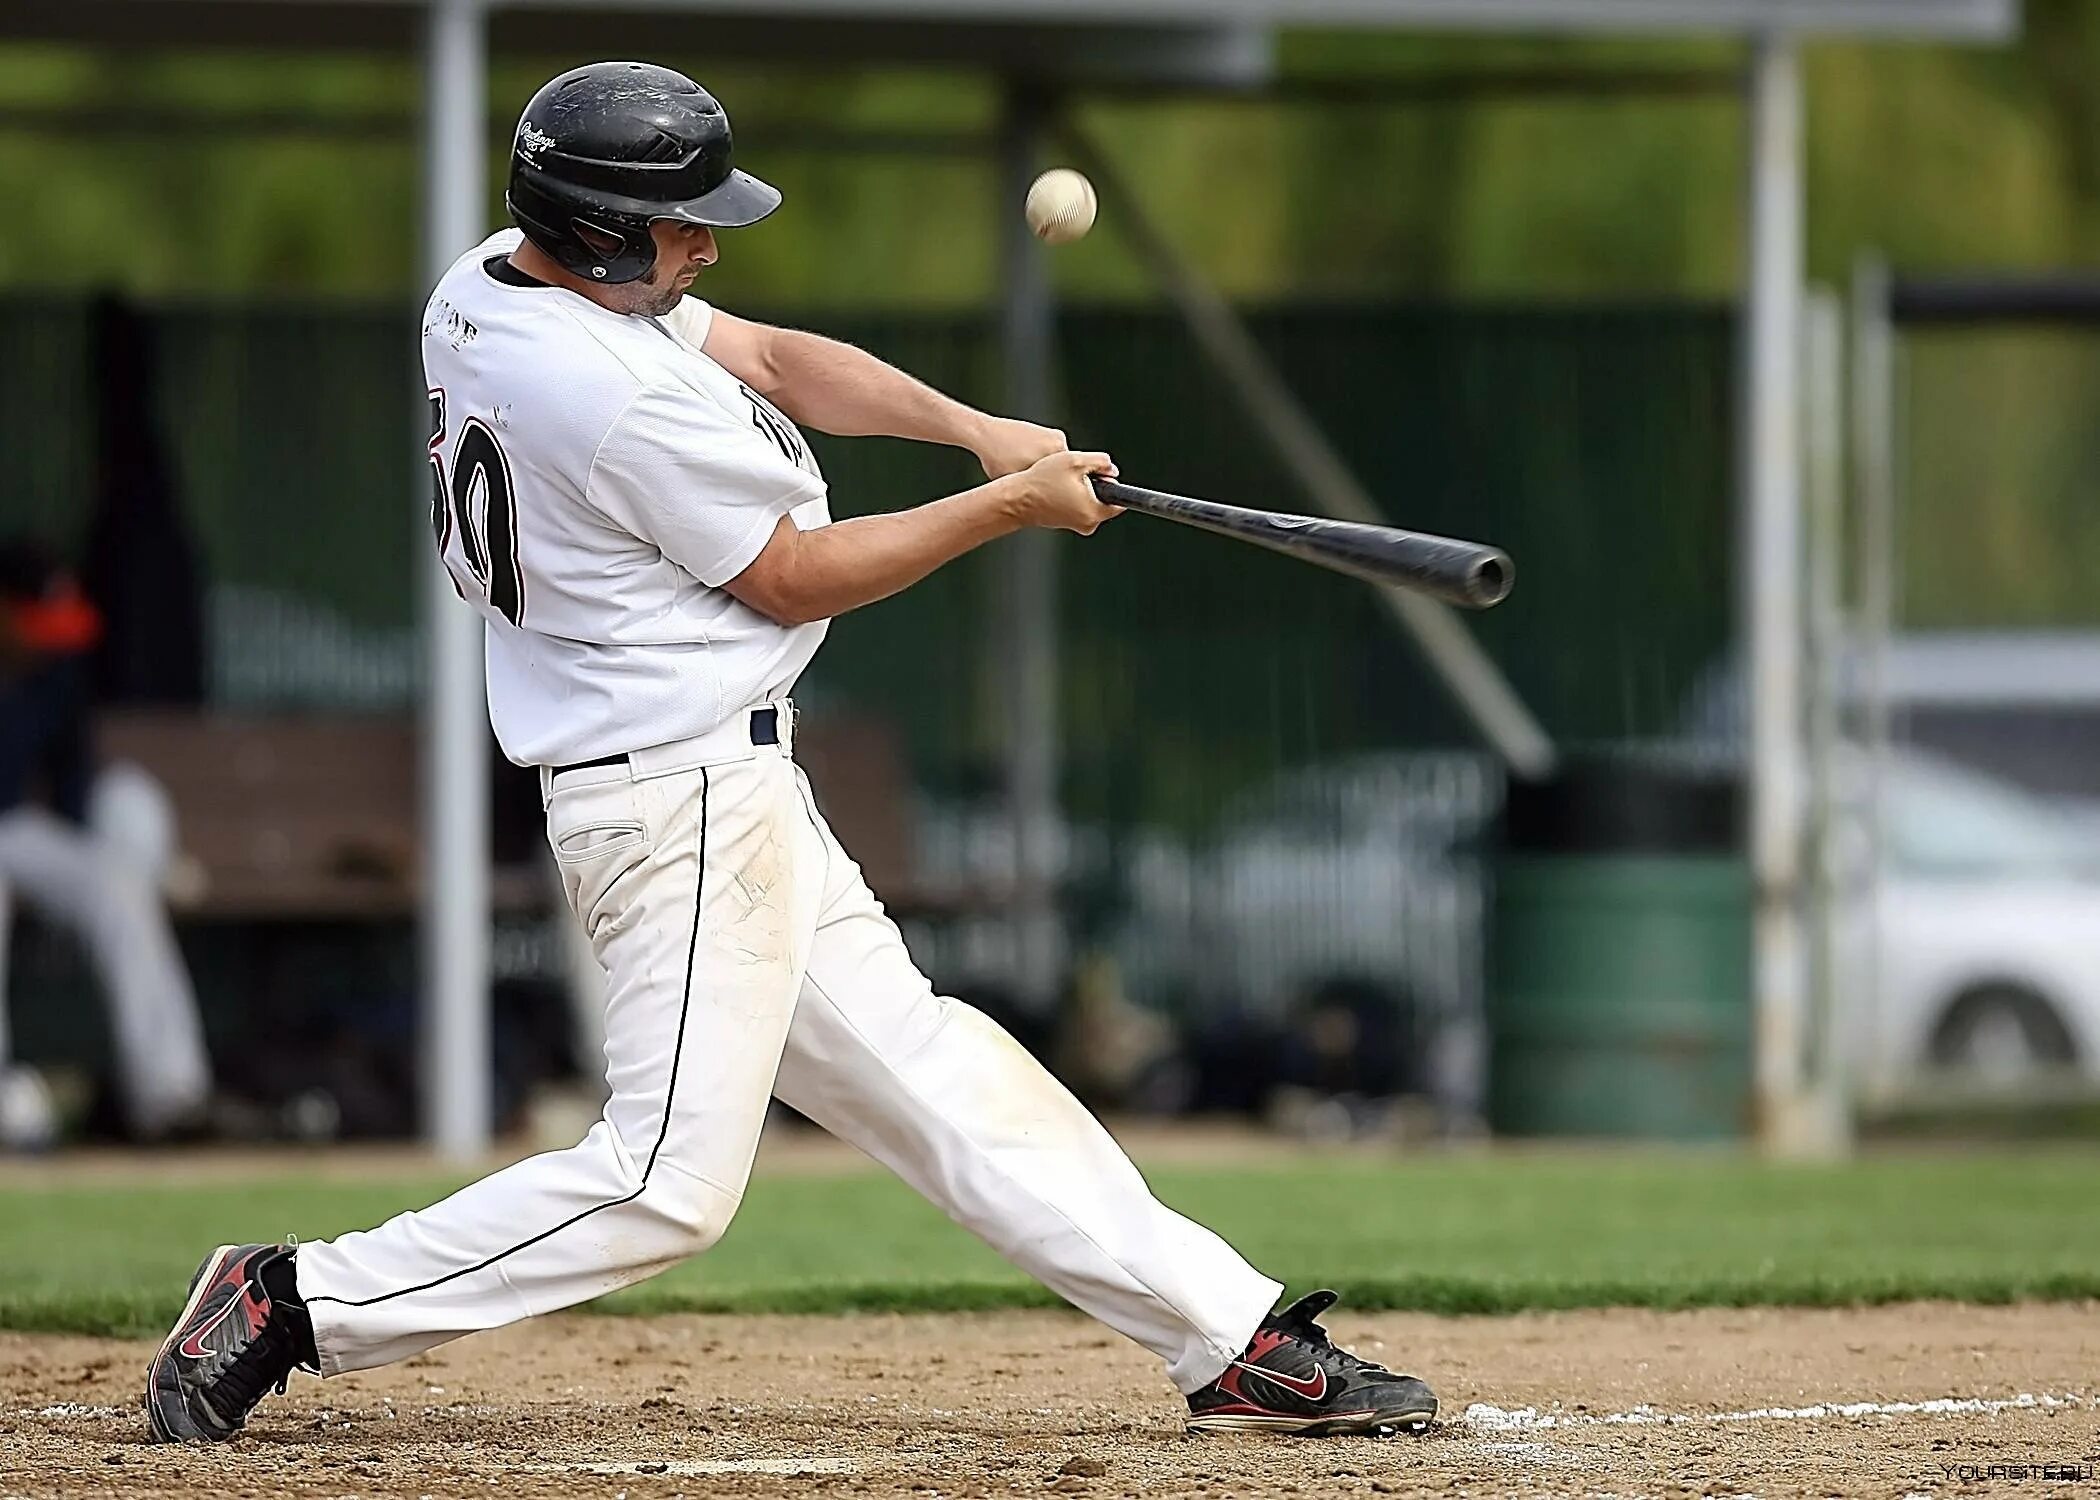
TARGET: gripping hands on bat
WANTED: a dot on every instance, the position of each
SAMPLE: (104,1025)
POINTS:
(1458,572)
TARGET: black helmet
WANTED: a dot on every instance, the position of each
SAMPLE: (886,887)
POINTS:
(604,151)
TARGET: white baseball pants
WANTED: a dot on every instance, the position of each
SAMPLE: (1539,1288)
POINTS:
(745,957)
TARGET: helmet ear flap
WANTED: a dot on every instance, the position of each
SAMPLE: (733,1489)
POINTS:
(622,253)
(606,250)
(605,243)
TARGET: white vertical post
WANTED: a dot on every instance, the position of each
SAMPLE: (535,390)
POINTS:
(1831,1002)
(1771,580)
(455,814)
(1874,473)
(1028,578)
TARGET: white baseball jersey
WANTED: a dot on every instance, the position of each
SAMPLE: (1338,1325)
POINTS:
(596,480)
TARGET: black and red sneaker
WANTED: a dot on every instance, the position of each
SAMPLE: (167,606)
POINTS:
(1292,1379)
(234,1342)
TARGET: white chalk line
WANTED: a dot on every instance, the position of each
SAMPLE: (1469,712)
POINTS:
(1484,1418)
(691,1466)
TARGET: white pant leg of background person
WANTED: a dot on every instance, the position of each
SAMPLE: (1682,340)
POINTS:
(28,1115)
(699,890)
(76,881)
(940,1094)
(7,932)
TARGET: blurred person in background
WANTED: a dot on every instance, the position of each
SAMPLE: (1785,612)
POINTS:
(93,881)
(1348,1065)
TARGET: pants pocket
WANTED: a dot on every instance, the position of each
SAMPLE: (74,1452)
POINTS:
(588,841)
(598,835)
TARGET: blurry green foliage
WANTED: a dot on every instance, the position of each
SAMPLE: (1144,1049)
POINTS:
(1940,156)
(2000,454)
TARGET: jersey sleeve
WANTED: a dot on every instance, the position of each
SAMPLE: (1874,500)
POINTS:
(692,320)
(686,476)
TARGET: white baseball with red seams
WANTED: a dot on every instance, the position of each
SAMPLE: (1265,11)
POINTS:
(598,478)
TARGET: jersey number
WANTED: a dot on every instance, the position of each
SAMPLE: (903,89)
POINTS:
(768,419)
(488,531)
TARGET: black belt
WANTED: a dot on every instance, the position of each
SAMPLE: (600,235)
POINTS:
(765,730)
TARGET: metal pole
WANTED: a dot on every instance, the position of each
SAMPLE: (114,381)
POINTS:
(1874,471)
(1027,573)
(1823,417)
(1771,579)
(455,900)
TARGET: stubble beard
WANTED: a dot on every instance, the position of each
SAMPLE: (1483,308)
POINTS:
(646,299)
(662,299)
(649,299)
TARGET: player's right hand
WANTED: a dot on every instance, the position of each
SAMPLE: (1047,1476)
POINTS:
(1057,492)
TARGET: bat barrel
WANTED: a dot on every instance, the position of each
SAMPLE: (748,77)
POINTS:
(1489,579)
(1458,572)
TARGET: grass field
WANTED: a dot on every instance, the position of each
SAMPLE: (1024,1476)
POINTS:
(1463,1235)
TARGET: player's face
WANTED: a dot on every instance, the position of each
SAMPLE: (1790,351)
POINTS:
(683,251)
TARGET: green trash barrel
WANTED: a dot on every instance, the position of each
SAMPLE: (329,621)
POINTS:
(1620,956)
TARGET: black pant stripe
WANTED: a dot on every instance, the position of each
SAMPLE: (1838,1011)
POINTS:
(670,1098)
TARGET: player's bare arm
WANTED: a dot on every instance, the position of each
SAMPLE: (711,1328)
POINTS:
(812,575)
(848,392)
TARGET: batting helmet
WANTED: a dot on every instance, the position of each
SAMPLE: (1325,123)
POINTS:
(604,151)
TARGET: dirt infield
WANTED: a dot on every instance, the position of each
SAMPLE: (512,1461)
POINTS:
(1919,1399)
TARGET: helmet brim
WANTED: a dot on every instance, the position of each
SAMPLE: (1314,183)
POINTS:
(739,199)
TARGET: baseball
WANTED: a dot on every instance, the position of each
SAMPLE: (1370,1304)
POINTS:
(1061,206)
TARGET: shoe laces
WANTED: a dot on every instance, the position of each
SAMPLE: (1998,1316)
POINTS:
(1297,1322)
(264,1362)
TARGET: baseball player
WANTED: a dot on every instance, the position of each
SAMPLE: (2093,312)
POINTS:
(619,484)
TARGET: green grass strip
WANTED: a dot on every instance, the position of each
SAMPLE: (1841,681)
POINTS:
(1445,1235)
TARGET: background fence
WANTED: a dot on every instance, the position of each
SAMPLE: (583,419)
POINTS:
(1265,792)
(1593,442)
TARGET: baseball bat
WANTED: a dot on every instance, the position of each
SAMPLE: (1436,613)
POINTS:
(1462,573)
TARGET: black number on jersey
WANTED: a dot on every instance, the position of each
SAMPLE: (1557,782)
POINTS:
(479,470)
(440,508)
(770,420)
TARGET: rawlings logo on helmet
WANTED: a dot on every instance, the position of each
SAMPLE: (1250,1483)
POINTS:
(532,140)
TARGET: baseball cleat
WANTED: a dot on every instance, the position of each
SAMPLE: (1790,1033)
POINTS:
(232,1344)
(1293,1380)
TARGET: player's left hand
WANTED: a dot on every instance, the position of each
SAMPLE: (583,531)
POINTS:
(1007,446)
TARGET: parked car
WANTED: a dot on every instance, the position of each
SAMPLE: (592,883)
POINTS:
(1985,925)
(1976,952)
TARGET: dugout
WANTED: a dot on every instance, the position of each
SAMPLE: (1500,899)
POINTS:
(1135,47)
